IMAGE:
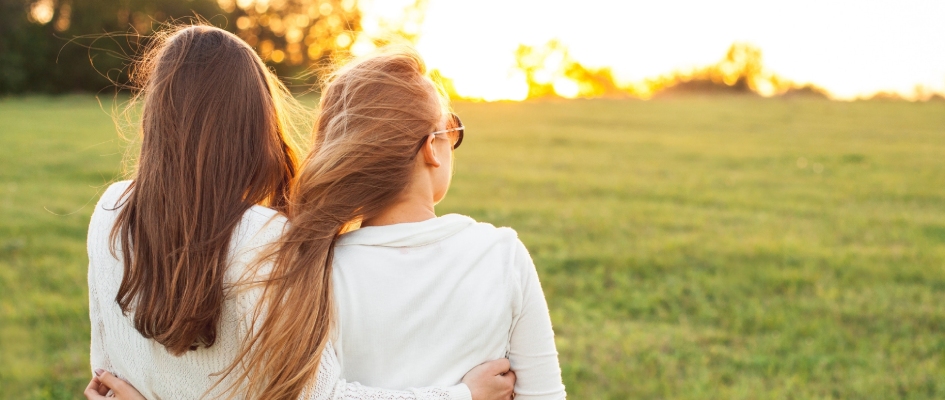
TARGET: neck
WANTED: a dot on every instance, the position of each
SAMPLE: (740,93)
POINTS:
(409,209)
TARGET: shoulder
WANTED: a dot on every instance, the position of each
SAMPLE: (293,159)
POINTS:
(259,227)
(102,256)
(512,256)
(492,234)
(113,198)
(106,209)
(261,224)
(503,239)
(253,240)
(258,230)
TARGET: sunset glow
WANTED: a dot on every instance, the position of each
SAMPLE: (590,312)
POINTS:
(849,48)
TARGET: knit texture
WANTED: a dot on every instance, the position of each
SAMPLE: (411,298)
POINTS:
(119,348)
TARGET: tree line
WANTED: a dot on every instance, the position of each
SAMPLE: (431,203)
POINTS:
(58,46)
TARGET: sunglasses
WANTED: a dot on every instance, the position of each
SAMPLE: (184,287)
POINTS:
(458,124)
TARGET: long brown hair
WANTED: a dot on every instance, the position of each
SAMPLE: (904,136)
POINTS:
(372,114)
(213,144)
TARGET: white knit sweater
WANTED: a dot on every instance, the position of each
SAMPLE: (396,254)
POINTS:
(119,348)
(424,302)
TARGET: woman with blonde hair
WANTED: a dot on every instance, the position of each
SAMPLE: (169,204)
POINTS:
(422,296)
(169,248)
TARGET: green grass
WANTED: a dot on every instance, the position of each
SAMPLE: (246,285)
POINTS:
(689,248)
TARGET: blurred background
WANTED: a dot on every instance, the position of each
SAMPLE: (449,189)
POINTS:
(729,199)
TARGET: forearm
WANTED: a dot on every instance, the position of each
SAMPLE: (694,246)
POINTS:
(330,385)
(532,353)
(98,357)
(353,391)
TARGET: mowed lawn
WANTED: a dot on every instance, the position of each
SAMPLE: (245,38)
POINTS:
(689,248)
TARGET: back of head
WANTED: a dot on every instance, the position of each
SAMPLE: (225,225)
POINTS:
(373,114)
(213,145)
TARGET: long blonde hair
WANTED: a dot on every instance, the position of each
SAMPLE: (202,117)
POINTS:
(213,144)
(373,114)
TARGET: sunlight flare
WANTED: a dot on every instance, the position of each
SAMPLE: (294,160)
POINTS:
(474,44)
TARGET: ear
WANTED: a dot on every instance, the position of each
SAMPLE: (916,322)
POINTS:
(429,153)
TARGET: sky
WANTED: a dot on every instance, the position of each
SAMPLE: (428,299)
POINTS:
(850,48)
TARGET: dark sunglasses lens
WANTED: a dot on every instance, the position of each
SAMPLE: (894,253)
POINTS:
(459,124)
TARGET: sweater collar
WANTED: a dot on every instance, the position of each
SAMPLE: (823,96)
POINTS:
(409,234)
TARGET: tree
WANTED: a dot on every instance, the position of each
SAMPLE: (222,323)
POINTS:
(69,45)
(295,34)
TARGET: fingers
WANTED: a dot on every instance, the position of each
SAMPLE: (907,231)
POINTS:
(102,389)
(498,367)
(509,379)
(92,390)
(510,376)
(120,389)
(110,381)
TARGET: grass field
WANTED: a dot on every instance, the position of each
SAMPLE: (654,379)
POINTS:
(690,248)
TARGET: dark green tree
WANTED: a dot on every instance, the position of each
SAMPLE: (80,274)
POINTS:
(57,46)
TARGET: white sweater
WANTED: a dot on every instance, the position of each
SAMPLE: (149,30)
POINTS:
(424,302)
(119,348)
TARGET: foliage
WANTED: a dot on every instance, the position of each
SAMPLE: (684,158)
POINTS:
(551,71)
(690,248)
(740,71)
(85,45)
(552,64)
(294,34)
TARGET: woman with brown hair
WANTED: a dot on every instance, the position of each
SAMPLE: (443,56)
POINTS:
(168,249)
(425,296)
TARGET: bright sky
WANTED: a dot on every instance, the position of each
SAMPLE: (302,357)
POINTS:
(849,47)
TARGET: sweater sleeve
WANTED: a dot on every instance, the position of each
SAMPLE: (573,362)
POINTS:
(98,357)
(532,351)
(99,227)
(330,385)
